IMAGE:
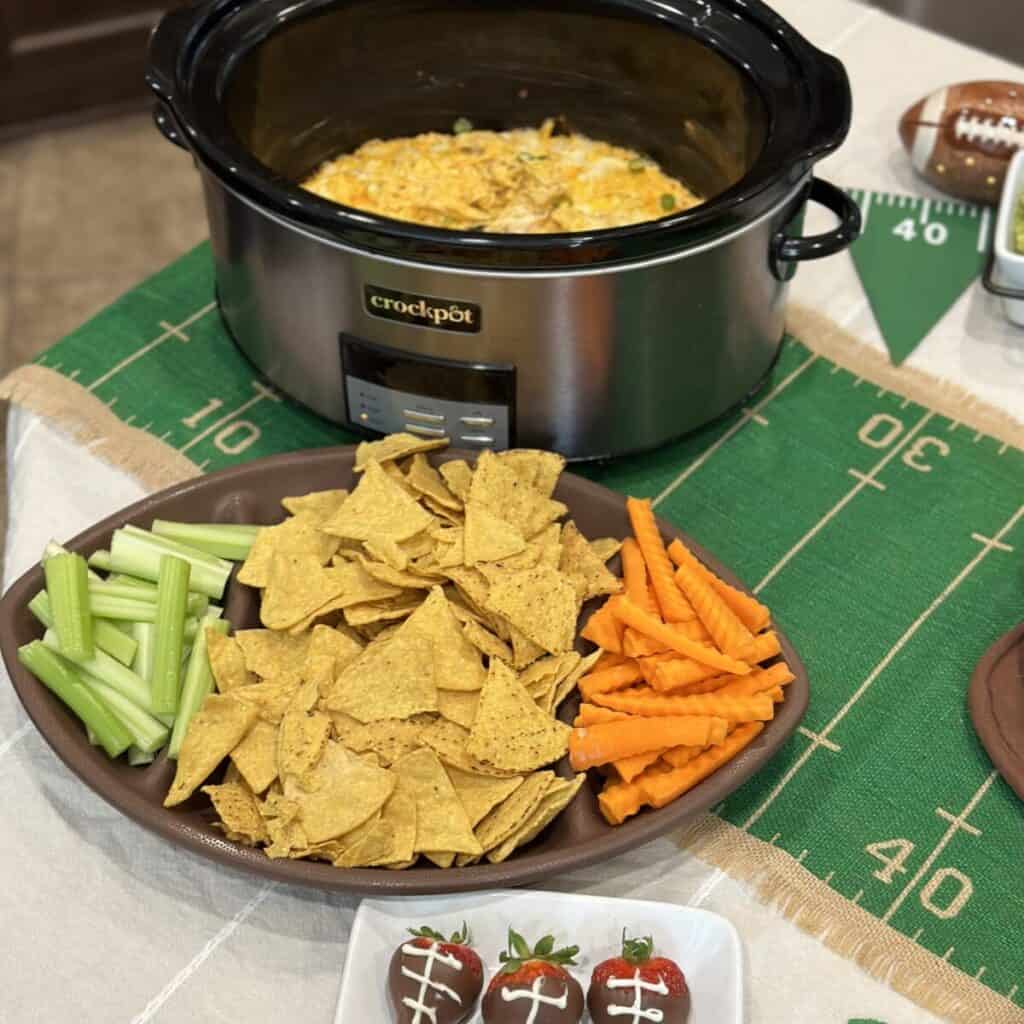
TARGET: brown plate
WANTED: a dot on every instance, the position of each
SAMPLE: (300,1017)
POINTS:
(996,702)
(251,493)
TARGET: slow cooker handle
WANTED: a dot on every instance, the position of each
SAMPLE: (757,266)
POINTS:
(789,250)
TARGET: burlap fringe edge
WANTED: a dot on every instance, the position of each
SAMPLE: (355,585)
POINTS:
(84,417)
(827,338)
(853,933)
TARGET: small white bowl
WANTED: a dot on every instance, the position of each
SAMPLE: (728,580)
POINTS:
(1005,274)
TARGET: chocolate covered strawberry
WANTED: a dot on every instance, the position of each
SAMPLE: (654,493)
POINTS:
(434,980)
(533,985)
(637,986)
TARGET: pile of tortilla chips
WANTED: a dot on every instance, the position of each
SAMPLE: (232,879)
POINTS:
(419,640)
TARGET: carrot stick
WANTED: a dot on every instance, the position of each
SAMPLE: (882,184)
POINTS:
(611,741)
(678,756)
(634,576)
(664,787)
(674,607)
(754,615)
(591,714)
(656,788)
(728,633)
(609,659)
(625,611)
(636,645)
(777,694)
(759,708)
(604,629)
(680,673)
(778,674)
(609,679)
(630,767)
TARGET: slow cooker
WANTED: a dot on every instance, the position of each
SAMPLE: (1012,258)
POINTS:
(594,344)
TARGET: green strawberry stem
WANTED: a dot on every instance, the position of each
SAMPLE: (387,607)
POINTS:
(460,938)
(637,951)
(519,953)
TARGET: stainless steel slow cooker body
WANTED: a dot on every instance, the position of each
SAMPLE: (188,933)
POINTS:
(594,344)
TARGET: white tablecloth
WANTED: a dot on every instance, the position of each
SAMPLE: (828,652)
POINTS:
(104,922)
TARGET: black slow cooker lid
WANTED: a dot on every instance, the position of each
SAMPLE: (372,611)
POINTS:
(725,93)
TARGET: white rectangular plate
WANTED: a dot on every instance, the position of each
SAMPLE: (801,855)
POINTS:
(704,945)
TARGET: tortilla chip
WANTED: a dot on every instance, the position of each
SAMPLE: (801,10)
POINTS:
(488,538)
(524,650)
(395,446)
(441,821)
(508,816)
(214,731)
(448,740)
(423,478)
(458,707)
(385,573)
(338,647)
(541,603)
(559,795)
(472,585)
(566,686)
(456,662)
(299,535)
(239,813)
(255,757)
(269,654)
(301,739)
(586,570)
(270,699)
(510,731)
(388,680)
(338,794)
(485,641)
(605,547)
(359,615)
(441,860)
(457,476)
(227,662)
(391,839)
(480,794)
(389,738)
(549,541)
(286,833)
(378,510)
(317,506)
(538,469)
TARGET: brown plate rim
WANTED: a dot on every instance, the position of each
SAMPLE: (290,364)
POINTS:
(989,728)
(47,713)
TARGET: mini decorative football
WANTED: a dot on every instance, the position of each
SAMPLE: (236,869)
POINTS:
(961,138)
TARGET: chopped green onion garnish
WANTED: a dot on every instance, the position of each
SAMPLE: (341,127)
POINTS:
(198,684)
(138,554)
(108,670)
(226,540)
(61,678)
(105,635)
(67,585)
(668,201)
(172,597)
(462,125)
(147,733)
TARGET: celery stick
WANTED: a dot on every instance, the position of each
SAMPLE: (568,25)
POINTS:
(198,684)
(137,758)
(145,637)
(147,733)
(110,588)
(110,604)
(227,540)
(104,634)
(123,580)
(110,671)
(140,556)
(67,586)
(53,548)
(175,547)
(172,596)
(60,677)
(100,560)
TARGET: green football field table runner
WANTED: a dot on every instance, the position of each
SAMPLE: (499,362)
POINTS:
(886,537)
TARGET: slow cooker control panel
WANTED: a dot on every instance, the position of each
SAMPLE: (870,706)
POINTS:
(389,390)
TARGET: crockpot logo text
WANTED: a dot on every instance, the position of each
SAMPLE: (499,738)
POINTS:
(423,310)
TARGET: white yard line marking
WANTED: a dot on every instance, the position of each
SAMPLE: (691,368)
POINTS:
(204,464)
(957,819)
(859,896)
(926,209)
(843,502)
(881,393)
(803,854)
(166,434)
(828,878)
(953,424)
(774,839)
(15,738)
(112,402)
(176,331)
(992,541)
(979,972)
(1002,450)
(74,374)
(857,383)
(820,740)
(734,429)
(870,481)
(983,231)
(150,345)
(955,825)
(917,935)
(261,393)
(835,369)
(904,403)
(130,420)
(881,667)
(978,436)
(865,211)
(760,420)
(1012,992)
(852,29)
(154,1006)
(948,953)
